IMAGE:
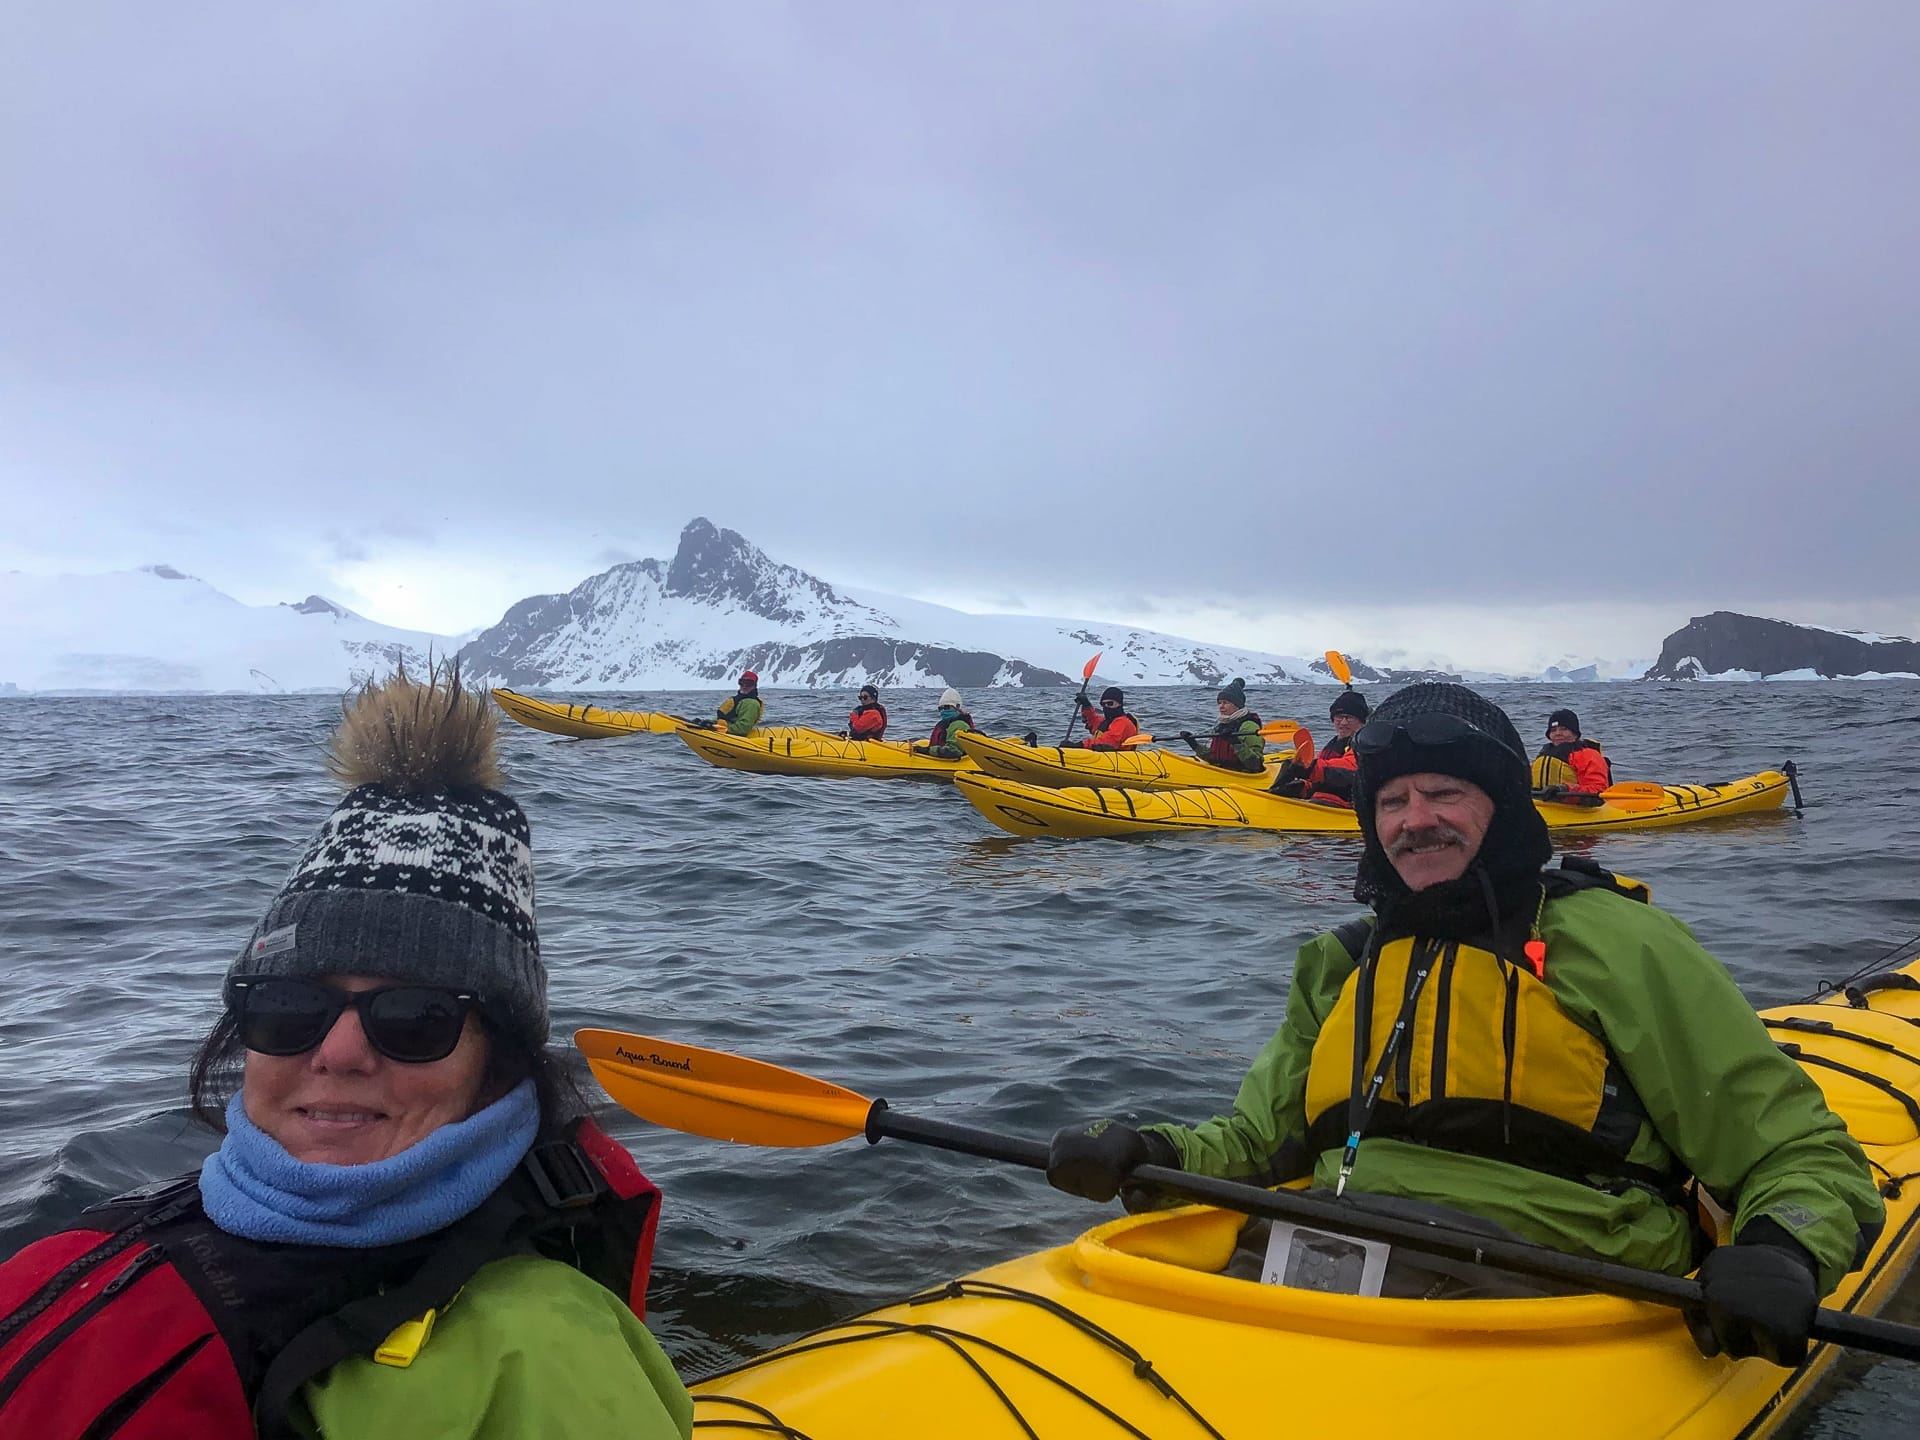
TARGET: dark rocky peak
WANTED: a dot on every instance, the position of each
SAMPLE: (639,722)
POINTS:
(167,572)
(1365,674)
(1713,644)
(720,566)
(320,605)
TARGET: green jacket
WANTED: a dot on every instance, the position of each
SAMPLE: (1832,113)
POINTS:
(958,722)
(742,713)
(1672,1016)
(530,1347)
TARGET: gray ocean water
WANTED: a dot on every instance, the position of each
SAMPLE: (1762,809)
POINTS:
(878,934)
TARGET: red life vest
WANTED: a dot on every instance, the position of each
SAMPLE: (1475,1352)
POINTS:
(1221,749)
(939,735)
(149,1322)
(867,722)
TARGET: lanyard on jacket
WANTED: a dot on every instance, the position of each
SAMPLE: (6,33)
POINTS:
(1359,1108)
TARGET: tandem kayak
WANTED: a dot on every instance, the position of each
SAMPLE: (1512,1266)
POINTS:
(1129,769)
(1079,811)
(819,754)
(583,722)
(1130,1330)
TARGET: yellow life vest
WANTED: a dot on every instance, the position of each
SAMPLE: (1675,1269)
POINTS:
(1488,1063)
(1551,770)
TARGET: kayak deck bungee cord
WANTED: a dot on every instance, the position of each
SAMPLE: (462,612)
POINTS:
(1080,811)
(818,754)
(1138,769)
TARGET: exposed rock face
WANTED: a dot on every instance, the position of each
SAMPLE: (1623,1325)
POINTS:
(1723,641)
(722,605)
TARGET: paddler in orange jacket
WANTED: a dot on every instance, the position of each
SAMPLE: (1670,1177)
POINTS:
(1328,777)
(868,719)
(1592,771)
(1109,727)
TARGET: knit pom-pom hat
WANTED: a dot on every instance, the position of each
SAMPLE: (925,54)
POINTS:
(1234,690)
(423,873)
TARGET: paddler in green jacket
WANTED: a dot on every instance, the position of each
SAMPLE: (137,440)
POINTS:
(1544,1054)
(1235,743)
(742,712)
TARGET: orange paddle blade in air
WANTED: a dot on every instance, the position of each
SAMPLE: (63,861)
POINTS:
(1303,746)
(1087,674)
(721,1096)
(1337,663)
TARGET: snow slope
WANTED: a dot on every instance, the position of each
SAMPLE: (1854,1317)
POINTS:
(156,629)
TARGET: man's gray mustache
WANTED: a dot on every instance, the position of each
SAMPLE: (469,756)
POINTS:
(1429,835)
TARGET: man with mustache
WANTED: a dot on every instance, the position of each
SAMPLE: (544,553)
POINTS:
(1530,1052)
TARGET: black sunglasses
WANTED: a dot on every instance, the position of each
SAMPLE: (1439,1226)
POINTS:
(1378,736)
(414,1024)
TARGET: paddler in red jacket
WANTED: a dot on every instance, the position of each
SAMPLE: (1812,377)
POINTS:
(1109,727)
(1328,777)
(1592,771)
(868,719)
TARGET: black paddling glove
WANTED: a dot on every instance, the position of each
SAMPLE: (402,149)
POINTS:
(1759,1297)
(1095,1162)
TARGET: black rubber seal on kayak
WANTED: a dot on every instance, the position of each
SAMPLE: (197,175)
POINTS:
(1857,992)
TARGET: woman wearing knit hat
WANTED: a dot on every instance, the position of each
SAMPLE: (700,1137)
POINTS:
(1110,727)
(396,1133)
(742,711)
(1328,779)
(1528,1053)
(1569,761)
(953,722)
(1235,742)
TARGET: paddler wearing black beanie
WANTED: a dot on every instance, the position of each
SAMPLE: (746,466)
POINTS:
(1571,1056)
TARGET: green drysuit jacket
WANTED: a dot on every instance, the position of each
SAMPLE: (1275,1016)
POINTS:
(1740,1115)
(529,1347)
(742,713)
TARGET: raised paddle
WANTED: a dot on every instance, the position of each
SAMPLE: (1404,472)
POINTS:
(1343,672)
(1303,747)
(730,1097)
(1086,679)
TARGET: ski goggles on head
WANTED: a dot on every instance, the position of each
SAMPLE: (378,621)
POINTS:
(1378,736)
(414,1024)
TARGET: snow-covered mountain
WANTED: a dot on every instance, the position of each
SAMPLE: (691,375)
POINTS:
(722,605)
(156,629)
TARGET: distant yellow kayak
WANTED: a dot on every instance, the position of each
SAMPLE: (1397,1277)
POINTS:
(583,722)
(1137,769)
(818,754)
(1080,811)
(1131,1331)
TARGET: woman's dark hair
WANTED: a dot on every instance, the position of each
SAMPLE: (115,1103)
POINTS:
(221,1060)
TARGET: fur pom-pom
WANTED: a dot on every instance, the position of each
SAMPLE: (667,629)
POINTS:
(416,735)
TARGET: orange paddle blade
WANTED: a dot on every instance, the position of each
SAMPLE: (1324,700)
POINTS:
(721,1096)
(1087,674)
(1337,663)
(1303,746)
(1133,740)
(1279,729)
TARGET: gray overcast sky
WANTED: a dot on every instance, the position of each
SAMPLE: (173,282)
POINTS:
(1191,313)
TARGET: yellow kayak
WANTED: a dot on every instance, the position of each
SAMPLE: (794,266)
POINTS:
(1131,769)
(583,722)
(819,754)
(1081,811)
(1129,1332)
